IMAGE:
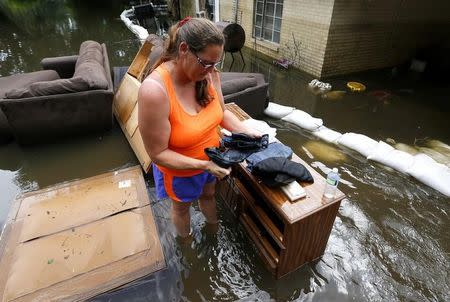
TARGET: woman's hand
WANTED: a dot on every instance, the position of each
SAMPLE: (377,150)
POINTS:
(217,171)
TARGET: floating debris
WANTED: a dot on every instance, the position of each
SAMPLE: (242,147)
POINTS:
(320,86)
(356,86)
(285,63)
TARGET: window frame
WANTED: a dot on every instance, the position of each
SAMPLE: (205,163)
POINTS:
(264,22)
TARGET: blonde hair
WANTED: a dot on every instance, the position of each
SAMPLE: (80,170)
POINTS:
(197,33)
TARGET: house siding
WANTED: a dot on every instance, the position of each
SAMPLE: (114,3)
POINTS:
(333,37)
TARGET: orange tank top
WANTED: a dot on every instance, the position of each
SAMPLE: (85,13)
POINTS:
(191,134)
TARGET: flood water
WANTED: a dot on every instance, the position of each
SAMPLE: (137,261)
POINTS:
(390,240)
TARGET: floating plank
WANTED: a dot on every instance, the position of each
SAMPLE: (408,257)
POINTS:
(109,238)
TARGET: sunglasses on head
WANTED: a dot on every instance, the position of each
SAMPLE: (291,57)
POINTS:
(205,65)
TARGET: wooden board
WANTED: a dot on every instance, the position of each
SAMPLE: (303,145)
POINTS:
(126,106)
(126,97)
(140,65)
(80,259)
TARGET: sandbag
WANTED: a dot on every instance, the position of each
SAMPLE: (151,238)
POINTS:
(431,173)
(277,111)
(303,120)
(358,142)
(396,159)
(327,134)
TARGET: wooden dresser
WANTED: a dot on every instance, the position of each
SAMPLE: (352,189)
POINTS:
(286,234)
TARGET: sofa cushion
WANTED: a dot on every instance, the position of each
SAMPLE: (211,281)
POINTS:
(90,51)
(93,73)
(236,85)
(89,65)
(23,80)
(61,86)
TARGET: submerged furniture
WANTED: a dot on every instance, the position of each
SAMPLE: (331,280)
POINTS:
(75,240)
(248,90)
(287,234)
(72,95)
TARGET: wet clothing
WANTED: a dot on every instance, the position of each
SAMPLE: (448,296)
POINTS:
(226,158)
(182,189)
(236,148)
(190,134)
(278,171)
(272,150)
(244,142)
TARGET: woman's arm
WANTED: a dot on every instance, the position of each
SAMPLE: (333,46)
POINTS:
(230,121)
(155,130)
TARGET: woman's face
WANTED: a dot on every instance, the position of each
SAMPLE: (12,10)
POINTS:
(197,65)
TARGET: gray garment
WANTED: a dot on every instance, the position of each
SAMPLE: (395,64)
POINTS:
(272,150)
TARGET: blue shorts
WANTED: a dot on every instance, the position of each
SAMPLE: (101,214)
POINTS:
(183,189)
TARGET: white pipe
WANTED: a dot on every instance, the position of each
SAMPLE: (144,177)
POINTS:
(216,11)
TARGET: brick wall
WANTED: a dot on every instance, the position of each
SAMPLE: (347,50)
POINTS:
(331,37)
(374,34)
(304,31)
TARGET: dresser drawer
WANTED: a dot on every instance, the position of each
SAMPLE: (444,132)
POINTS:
(262,214)
(264,248)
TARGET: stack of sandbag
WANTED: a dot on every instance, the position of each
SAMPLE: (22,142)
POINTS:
(420,166)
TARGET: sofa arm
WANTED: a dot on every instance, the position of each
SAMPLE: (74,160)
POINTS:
(252,100)
(64,66)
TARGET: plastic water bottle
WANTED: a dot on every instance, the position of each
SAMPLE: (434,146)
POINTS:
(331,184)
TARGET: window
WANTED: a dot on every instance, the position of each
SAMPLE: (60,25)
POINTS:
(267,19)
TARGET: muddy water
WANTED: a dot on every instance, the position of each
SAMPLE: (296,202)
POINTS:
(390,240)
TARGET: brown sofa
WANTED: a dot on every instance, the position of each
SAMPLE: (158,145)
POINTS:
(72,95)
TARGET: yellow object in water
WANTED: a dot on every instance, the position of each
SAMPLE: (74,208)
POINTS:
(323,151)
(334,95)
(356,86)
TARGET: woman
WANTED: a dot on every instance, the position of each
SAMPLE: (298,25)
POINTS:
(180,106)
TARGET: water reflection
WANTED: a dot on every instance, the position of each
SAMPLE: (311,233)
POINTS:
(33,30)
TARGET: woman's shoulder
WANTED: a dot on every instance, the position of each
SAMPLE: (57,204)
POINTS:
(152,89)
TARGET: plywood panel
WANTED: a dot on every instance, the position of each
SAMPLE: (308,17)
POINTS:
(139,66)
(125,103)
(138,146)
(125,98)
(132,123)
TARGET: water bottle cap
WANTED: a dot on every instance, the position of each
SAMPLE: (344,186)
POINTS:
(335,170)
